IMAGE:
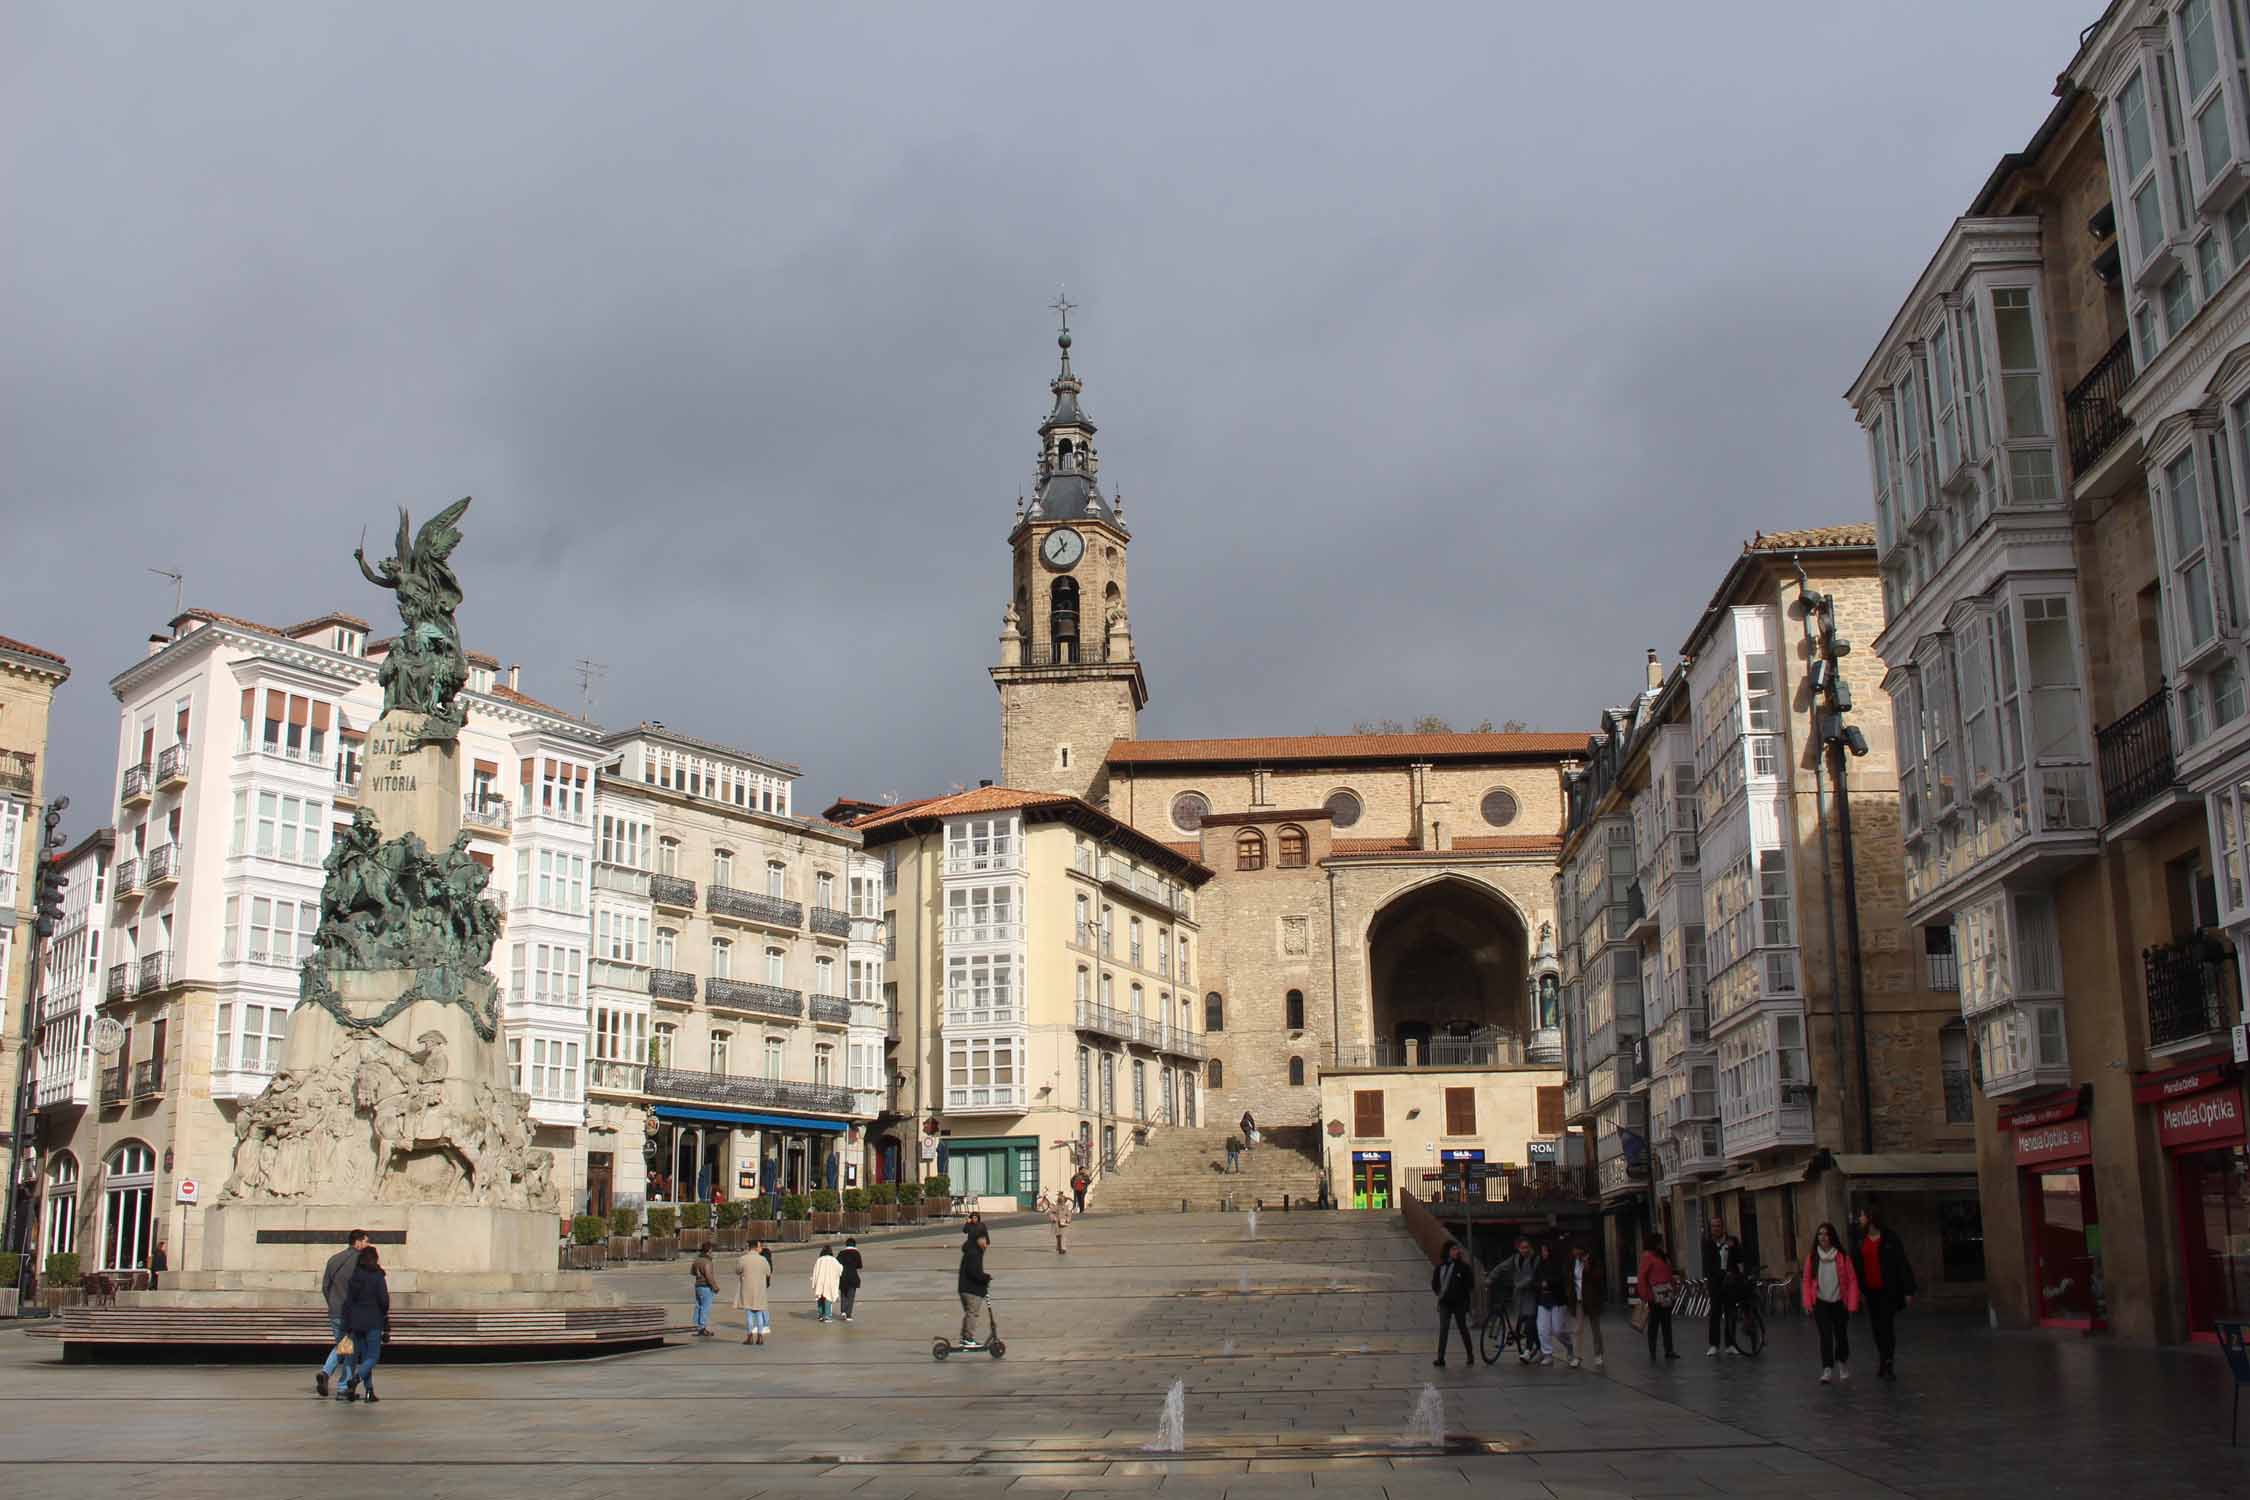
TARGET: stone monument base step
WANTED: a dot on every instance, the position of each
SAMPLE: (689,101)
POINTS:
(408,1289)
(216,1323)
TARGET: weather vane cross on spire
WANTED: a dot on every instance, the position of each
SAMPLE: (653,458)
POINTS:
(1063,306)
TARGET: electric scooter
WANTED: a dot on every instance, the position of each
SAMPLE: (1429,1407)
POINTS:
(941,1348)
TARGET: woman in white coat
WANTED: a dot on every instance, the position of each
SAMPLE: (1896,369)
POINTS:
(827,1282)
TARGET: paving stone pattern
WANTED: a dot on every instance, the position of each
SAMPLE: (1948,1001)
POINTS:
(1302,1354)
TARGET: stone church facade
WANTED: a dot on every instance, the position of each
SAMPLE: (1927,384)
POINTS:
(1382,905)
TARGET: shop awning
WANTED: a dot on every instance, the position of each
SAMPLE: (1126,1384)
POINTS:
(1911,1171)
(746,1117)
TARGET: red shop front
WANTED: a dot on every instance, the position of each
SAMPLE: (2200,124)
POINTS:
(2200,1124)
(2054,1143)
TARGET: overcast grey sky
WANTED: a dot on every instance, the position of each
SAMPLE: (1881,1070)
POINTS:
(1443,355)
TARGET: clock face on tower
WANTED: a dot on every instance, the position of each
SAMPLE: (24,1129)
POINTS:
(1062,548)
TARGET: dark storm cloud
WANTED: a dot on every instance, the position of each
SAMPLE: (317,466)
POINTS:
(1443,356)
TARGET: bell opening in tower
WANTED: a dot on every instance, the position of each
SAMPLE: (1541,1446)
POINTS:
(1062,609)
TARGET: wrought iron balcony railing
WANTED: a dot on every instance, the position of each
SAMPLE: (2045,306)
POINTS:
(671,984)
(18,770)
(727,1088)
(671,890)
(2136,755)
(749,906)
(829,922)
(155,973)
(763,999)
(137,781)
(484,812)
(164,865)
(2187,983)
(117,1084)
(172,765)
(120,982)
(148,1077)
(830,1010)
(2094,411)
(125,880)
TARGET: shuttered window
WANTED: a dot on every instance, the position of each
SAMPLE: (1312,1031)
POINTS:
(1460,1111)
(1367,1112)
(1550,1111)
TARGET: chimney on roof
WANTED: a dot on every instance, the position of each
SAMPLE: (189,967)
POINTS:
(157,643)
(515,677)
(1655,671)
(987,781)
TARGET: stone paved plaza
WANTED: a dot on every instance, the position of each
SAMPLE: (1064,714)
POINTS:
(1303,1353)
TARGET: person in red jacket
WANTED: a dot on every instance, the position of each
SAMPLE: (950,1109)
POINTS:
(1886,1284)
(1831,1294)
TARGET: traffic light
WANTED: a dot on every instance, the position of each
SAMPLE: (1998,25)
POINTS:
(47,898)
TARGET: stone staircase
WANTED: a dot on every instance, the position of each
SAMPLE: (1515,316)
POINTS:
(1190,1162)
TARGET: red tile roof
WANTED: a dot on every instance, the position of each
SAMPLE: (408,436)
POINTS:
(507,694)
(1326,747)
(979,799)
(333,617)
(1852,534)
(9,644)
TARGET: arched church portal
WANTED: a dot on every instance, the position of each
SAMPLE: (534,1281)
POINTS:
(1448,961)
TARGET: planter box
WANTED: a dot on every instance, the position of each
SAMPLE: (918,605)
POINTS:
(728,1239)
(796,1229)
(760,1229)
(585,1257)
(827,1223)
(10,1302)
(883,1213)
(660,1247)
(620,1247)
(857,1223)
(56,1298)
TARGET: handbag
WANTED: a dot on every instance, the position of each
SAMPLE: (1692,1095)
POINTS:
(1665,1292)
(345,1348)
(1640,1317)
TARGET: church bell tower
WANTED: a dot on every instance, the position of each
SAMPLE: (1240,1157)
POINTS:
(1069,682)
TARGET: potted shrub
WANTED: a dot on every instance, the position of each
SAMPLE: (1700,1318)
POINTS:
(937,1192)
(882,1203)
(827,1216)
(909,1202)
(587,1232)
(855,1209)
(624,1223)
(694,1216)
(763,1221)
(794,1223)
(59,1287)
(730,1216)
(11,1268)
(663,1233)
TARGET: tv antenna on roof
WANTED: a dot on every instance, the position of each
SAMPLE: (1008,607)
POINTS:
(590,675)
(175,577)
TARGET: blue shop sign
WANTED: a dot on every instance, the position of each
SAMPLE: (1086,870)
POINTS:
(1365,1156)
(1463,1153)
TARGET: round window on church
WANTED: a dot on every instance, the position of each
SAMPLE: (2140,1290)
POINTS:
(1189,809)
(1343,809)
(1499,807)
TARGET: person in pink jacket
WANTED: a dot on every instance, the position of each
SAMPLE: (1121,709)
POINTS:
(1831,1295)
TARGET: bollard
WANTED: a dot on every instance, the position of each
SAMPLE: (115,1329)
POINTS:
(1285,1203)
